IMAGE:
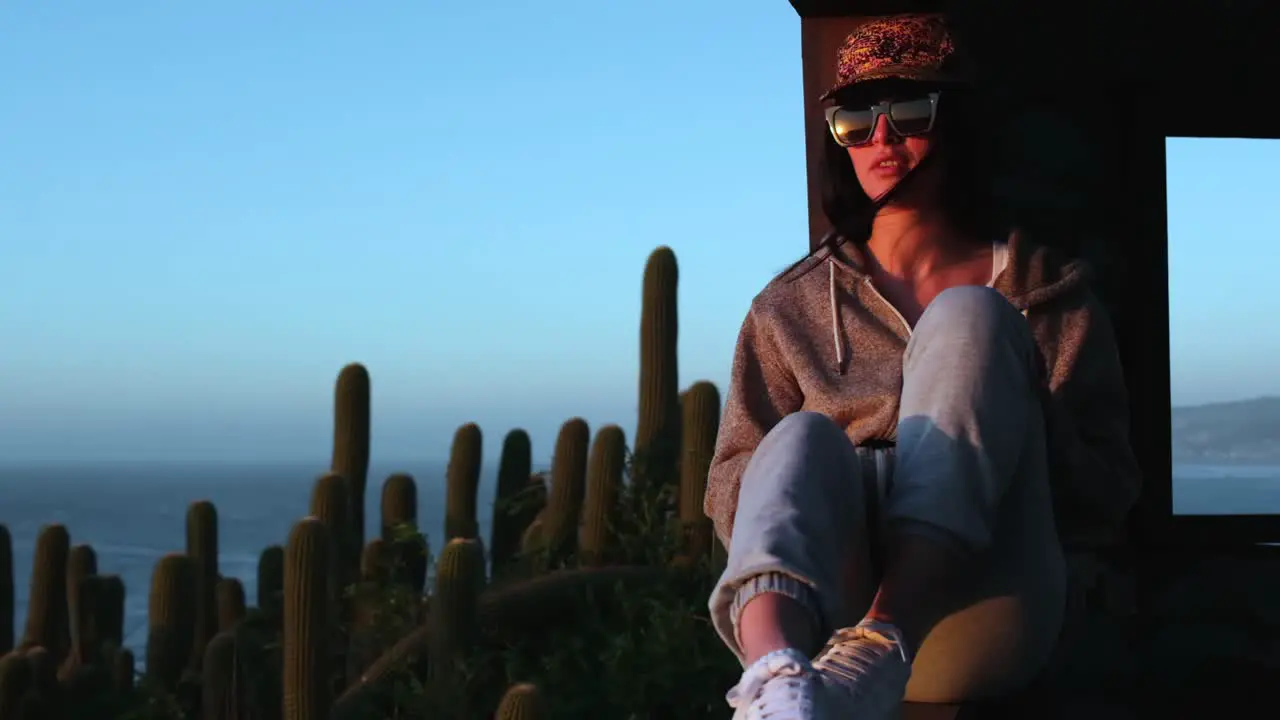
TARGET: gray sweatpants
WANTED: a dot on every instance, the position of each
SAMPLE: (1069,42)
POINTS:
(969,469)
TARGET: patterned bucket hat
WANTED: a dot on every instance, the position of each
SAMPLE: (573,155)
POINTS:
(918,47)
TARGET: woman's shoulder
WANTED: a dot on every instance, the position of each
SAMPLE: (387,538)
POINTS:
(792,290)
(1037,272)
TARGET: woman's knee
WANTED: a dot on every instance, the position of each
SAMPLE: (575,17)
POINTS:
(801,451)
(966,308)
(808,434)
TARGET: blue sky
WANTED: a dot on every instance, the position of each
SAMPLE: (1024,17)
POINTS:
(209,208)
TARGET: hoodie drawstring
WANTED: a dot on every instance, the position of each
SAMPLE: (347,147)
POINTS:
(835,317)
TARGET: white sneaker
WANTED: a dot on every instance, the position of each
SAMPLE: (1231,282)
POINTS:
(864,670)
(779,686)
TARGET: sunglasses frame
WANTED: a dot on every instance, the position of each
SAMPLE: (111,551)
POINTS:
(882,108)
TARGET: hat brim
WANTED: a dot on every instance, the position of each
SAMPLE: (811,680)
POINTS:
(900,73)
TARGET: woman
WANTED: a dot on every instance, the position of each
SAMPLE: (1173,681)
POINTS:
(898,402)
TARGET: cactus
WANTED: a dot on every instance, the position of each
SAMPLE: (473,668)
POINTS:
(522,701)
(85,602)
(568,487)
(330,502)
(47,623)
(44,679)
(202,548)
(122,671)
(219,693)
(171,618)
(462,484)
(351,448)
(460,578)
(230,603)
(533,511)
(307,685)
(111,609)
(399,503)
(82,562)
(658,432)
(15,683)
(604,481)
(404,550)
(513,477)
(700,423)
(374,562)
(271,581)
(6,590)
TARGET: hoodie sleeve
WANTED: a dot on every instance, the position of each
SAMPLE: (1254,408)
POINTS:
(762,391)
(1096,479)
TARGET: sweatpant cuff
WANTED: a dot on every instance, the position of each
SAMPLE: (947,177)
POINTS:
(783,584)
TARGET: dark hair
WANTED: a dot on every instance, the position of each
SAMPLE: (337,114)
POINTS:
(962,141)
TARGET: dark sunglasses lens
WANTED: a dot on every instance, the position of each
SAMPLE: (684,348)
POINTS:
(912,117)
(851,127)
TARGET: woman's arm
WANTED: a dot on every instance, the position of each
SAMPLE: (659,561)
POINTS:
(762,391)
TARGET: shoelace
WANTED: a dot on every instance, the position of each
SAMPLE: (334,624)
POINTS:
(776,682)
(853,654)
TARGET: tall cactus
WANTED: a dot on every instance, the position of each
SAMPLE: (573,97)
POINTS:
(604,481)
(44,682)
(230,602)
(271,581)
(406,556)
(658,433)
(459,579)
(202,548)
(308,689)
(399,503)
(47,622)
(351,446)
(82,603)
(219,694)
(533,510)
(329,504)
(522,701)
(700,423)
(111,609)
(462,484)
(374,562)
(513,477)
(6,590)
(568,487)
(84,609)
(171,619)
(82,561)
(15,684)
(122,670)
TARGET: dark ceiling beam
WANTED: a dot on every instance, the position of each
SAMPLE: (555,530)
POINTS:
(1209,67)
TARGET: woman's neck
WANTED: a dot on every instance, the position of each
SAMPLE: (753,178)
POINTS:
(908,244)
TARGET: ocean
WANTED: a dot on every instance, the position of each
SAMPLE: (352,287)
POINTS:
(132,515)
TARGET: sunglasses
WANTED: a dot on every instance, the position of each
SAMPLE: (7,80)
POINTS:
(852,127)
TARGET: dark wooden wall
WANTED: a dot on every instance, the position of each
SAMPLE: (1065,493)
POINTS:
(1087,93)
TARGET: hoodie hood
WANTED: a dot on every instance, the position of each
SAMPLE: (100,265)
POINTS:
(1026,273)
(1033,274)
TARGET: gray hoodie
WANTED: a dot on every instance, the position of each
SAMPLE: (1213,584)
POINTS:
(822,338)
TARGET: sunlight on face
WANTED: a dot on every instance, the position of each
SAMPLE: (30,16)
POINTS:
(881,163)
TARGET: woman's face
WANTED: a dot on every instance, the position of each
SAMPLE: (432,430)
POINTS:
(887,157)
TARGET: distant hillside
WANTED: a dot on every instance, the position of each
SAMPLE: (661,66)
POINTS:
(1243,431)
